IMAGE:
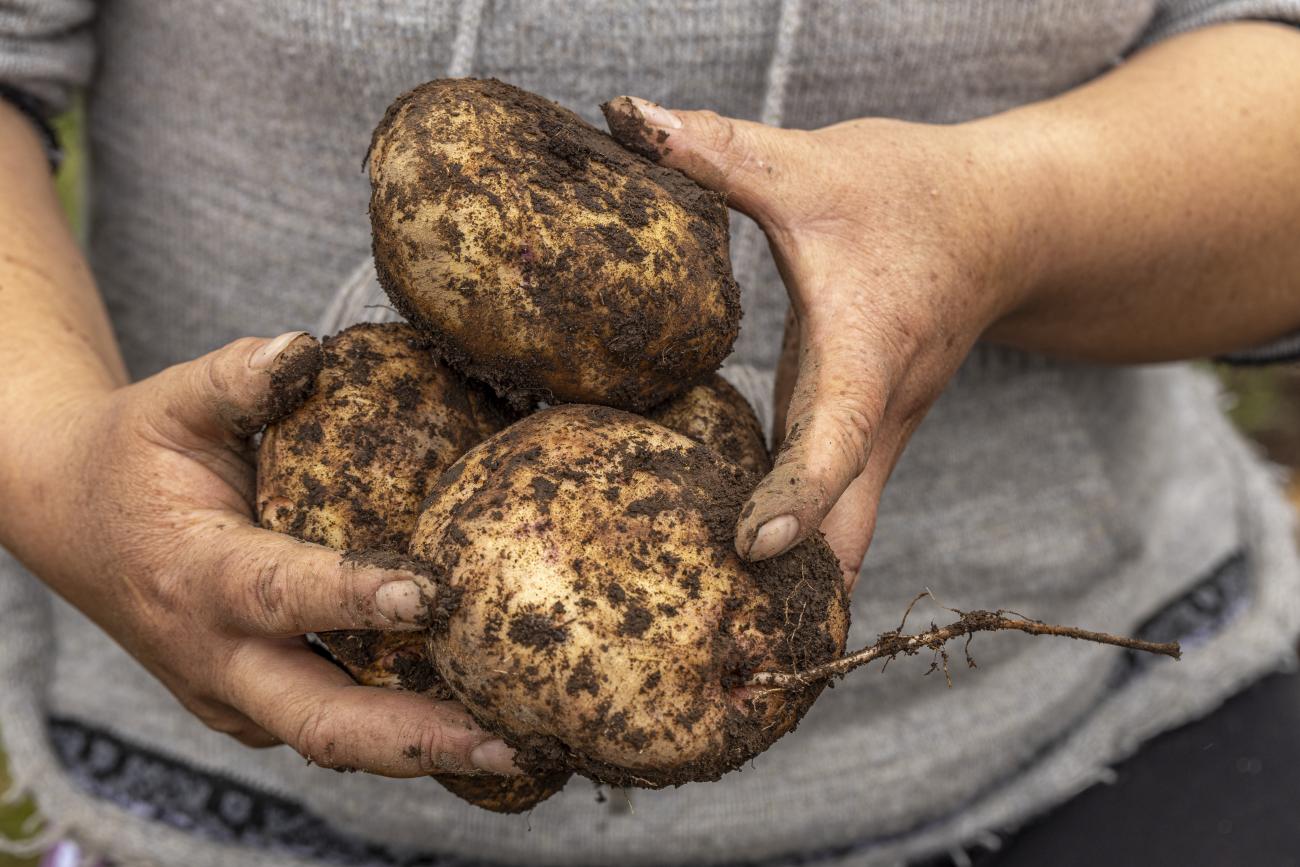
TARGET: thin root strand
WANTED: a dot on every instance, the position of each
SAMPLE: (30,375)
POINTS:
(891,644)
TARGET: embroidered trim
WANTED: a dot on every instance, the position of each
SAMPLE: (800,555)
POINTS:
(223,809)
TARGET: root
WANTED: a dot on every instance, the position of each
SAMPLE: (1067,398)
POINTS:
(890,644)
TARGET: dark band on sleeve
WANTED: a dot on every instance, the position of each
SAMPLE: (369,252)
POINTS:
(29,107)
(1278,352)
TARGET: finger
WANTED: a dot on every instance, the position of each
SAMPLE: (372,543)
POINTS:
(741,159)
(236,390)
(787,370)
(851,522)
(221,717)
(316,708)
(267,583)
(256,738)
(839,400)
(241,728)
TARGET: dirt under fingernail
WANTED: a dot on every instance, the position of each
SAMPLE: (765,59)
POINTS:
(293,377)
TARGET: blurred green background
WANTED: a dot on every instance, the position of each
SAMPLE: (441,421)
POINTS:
(1264,402)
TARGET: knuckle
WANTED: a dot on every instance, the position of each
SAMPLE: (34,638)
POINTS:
(436,750)
(859,421)
(267,592)
(219,387)
(718,131)
(315,740)
(210,378)
(220,370)
(852,432)
(258,591)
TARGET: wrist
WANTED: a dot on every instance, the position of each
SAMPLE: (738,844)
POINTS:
(43,457)
(1025,177)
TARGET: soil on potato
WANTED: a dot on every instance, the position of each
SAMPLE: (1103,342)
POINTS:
(807,580)
(372,386)
(715,414)
(557,148)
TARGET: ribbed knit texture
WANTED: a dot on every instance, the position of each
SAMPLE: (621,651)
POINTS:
(227,139)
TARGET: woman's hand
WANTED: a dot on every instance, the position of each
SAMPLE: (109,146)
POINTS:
(896,258)
(136,506)
(1149,215)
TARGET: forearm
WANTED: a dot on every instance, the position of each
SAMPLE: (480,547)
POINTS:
(1159,206)
(58,343)
(58,346)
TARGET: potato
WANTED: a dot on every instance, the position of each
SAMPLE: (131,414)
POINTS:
(715,414)
(541,256)
(349,469)
(604,622)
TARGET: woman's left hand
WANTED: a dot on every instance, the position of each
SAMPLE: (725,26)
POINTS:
(1148,215)
(898,250)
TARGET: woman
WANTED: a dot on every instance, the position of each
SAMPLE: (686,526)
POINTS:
(1067,196)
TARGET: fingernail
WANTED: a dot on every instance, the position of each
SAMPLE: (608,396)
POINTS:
(655,114)
(774,537)
(401,602)
(264,357)
(494,757)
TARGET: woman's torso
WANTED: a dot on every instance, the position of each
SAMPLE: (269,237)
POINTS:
(229,198)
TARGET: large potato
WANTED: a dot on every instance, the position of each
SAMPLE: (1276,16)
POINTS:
(349,469)
(543,257)
(715,414)
(605,623)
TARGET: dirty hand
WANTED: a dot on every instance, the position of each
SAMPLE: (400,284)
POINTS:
(138,511)
(894,241)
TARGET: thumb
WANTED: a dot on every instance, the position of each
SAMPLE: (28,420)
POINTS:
(240,388)
(832,430)
(738,158)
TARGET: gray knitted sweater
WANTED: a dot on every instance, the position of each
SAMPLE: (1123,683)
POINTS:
(226,140)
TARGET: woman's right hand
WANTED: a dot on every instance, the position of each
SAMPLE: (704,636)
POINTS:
(136,505)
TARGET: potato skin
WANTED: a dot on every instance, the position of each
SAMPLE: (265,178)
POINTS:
(715,414)
(349,469)
(542,256)
(605,623)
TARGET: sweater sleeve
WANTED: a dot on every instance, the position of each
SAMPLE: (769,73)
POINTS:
(46,48)
(1178,16)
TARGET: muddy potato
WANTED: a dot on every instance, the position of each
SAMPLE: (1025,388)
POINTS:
(543,257)
(716,414)
(351,465)
(604,621)
(349,469)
